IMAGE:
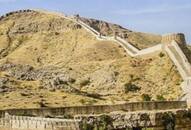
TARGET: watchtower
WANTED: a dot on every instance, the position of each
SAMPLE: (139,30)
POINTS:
(178,37)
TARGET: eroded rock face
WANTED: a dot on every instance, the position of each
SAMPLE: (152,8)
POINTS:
(105,28)
(22,25)
(6,84)
(48,78)
(3,86)
(138,39)
(33,27)
(103,78)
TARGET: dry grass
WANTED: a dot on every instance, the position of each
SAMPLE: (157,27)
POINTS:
(104,63)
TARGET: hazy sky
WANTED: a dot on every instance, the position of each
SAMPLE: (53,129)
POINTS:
(155,16)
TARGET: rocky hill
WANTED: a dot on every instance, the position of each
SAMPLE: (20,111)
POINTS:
(138,39)
(46,60)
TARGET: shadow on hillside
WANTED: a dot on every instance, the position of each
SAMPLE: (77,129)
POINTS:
(187,52)
(91,95)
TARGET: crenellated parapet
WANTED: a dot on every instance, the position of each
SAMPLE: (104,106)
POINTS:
(15,12)
(13,122)
(178,37)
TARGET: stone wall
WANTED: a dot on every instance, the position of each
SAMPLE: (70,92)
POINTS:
(37,123)
(178,37)
(156,48)
(175,119)
(15,12)
(97,109)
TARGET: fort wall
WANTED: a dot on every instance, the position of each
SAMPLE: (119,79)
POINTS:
(176,119)
(97,109)
(11,122)
(178,37)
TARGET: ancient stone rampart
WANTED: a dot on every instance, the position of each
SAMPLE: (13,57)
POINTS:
(156,48)
(169,44)
(97,109)
(172,46)
(37,123)
(175,119)
(178,37)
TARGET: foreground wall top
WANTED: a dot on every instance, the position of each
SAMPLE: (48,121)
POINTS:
(97,109)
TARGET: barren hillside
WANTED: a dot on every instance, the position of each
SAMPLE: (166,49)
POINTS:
(46,60)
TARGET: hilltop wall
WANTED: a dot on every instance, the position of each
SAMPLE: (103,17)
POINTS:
(15,12)
(178,37)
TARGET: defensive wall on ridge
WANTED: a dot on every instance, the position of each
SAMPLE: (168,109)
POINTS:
(178,37)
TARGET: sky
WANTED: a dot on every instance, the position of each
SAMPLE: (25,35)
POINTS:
(152,16)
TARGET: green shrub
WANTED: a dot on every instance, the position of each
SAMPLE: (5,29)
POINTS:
(84,82)
(72,80)
(86,126)
(129,87)
(116,73)
(87,102)
(145,97)
(57,33)
(82,101)
(178,83)
(168,120)
(104,122)
(24,94)
(42,104)
(160,98)
(161,54)
(131,76)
